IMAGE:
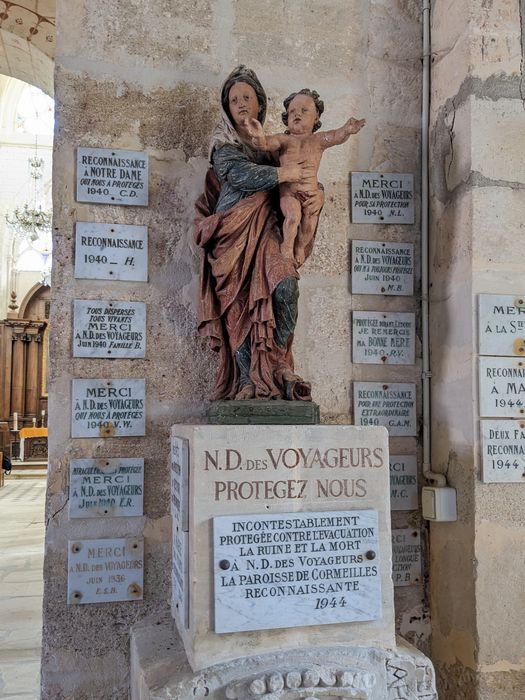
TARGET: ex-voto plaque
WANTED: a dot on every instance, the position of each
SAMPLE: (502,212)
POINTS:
(108,408)
(380,267)
(112,329)
(383,338)
(390,405)
(105,571)
(111,252)
(406,557)
(502,324)
(503,451)
(501,387)
(295,569)
(110,487)
(382,198)
(111,176)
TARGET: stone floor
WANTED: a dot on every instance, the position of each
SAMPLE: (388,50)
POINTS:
(21,558)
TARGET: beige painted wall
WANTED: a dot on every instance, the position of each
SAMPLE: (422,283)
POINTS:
(478,203)
(145,75)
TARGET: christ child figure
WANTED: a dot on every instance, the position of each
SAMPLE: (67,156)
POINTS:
(299,145)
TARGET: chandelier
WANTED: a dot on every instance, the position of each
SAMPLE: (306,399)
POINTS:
(29,221)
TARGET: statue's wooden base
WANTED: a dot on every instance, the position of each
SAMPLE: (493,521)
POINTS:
(259,412)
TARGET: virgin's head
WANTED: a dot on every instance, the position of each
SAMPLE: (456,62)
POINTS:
(243,97)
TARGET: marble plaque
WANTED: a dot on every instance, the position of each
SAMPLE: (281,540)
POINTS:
(255,472)
(403,482)
(383,338)
(179,481)
(503,451)
(391,405)
(406,557)
(382,198)
(111,252)
(180,529)
(501,387)
(105,571)
(108,408)
(110,487)
(502,324)
(382,268)
(295,569)
(111,176)
(112,329)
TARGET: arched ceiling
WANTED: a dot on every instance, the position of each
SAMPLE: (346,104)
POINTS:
(27,41)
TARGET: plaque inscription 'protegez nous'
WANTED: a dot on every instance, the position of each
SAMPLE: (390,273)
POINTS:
(112,329)
(382,268)
(104,571)
(382,198)
(108,408)
(295,569)
(383,338)
(110,176)
(111,252)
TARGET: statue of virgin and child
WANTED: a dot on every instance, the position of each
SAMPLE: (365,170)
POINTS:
(256,223)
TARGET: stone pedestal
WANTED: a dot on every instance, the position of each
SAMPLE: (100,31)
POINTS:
(160,671)
(281,583)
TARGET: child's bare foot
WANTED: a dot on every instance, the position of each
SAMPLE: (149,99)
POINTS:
(246,393)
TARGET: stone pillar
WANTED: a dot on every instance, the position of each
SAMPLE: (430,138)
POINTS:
(477,212)
(6,354)
(18,372)
(32,389)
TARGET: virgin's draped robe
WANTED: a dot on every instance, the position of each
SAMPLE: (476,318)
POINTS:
(241,267)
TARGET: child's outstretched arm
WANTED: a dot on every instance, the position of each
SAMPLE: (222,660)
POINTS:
(336,137)
(260,140)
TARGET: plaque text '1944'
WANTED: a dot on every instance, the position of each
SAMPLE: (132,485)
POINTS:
(295,569)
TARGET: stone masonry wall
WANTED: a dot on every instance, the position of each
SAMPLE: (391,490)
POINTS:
(478,209)
(145,75)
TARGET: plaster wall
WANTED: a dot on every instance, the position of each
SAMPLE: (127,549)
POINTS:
(478,200)
(145,75)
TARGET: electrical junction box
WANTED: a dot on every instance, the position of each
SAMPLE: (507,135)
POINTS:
(439,503)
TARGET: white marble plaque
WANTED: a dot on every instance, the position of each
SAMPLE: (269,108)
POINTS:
(111,252)
(110,487)
(383,338)
(390,405)
(403,482)
(295,569)
(180,529)
(382,198)
(503,445)
(180,577)
(179,481)
(502,324)
(501,387)
(112,329)
(111,176)
(108,408)
(382,268)
(105,571)
(406,557)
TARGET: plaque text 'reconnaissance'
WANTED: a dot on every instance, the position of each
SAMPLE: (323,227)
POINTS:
(296,569)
